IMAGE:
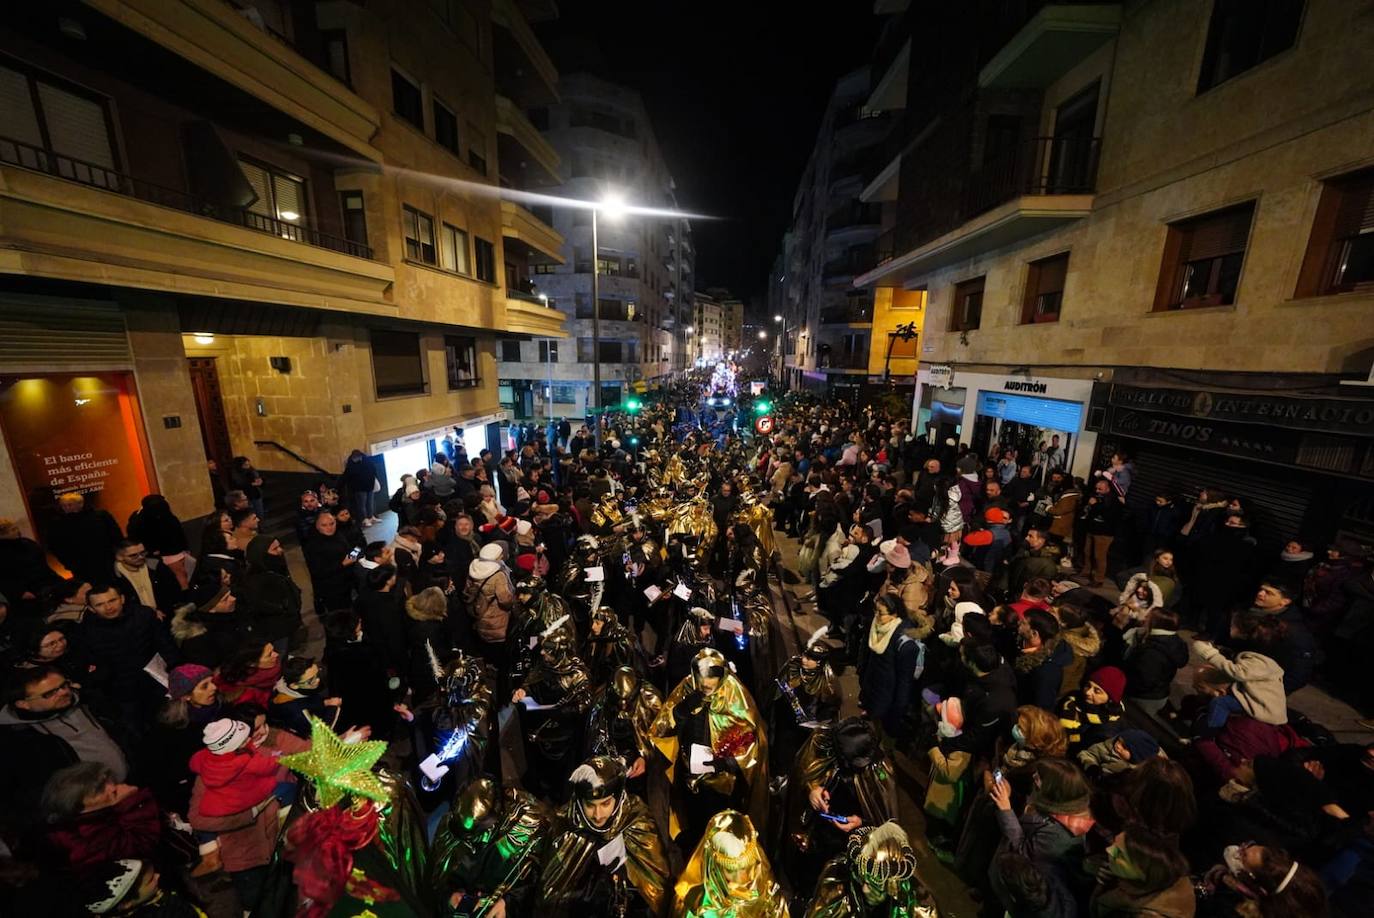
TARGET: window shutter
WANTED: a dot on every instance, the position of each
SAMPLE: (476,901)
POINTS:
(289,196)
(18,120)
(1356,212)
(260,183)
(1049,275)
(76,126)
(1218,234)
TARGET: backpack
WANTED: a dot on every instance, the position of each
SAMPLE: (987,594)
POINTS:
(397,502)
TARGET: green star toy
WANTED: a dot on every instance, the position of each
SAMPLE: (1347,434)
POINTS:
(337,768)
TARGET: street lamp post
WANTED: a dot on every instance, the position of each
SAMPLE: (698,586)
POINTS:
(596,335)
(782,351)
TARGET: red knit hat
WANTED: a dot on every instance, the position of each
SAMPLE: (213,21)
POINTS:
(1111,680)
(978,538)
(997,515)
(525,562)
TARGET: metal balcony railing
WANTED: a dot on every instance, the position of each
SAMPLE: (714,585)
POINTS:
(1042,166)
(40,159)
(842,315)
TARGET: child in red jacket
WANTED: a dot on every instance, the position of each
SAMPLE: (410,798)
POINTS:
(237,775)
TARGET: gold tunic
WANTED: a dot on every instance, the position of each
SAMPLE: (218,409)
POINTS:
(716,885)
(573,851)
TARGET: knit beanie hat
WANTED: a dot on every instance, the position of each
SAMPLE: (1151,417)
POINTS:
(106,885)
(492,551)
(952,713)
(895,553)
(184,678)
(1111,680)
(1139,744)
(223,736)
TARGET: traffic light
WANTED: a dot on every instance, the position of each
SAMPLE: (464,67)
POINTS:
(633,406)
(762,407)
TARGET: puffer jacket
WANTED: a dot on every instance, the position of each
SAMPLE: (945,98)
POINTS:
(1258,682)
(490,601)
(1152,663)
(1085,643)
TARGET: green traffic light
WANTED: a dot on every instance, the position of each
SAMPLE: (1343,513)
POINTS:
(633,404)
(762,407)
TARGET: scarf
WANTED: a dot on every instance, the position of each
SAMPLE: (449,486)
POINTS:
(409,546)
(879,635)
(142,583)
(1026,662)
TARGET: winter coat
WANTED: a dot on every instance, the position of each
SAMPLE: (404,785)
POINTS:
(1028,564)
(1062,513)
(1295,649)
(209,638)
(1102,756)
(886,680)
(1117,898)
(84,542)
(332,582)
(1243,739)
(1085,724)
(384,625)
(1258,682)
(1102,515)
(267,595)
(157,527)
(359,476)
(914,592)
(1039,675)
(955,633)
(489,600)
(945,794)
(1085,643)
(1151,664)
(24,569)
(1127,597)
(246,839)
(1046,842)
(235,780)
(1225,562)
(130,828)
(167,591)
(121,647)
(358,675)
(989,706)
(1323,594)
(36,745)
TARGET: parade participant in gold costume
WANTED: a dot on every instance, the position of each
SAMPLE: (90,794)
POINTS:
(711,734)
(806,692)
(557,683)
(874,878)
(487,854)
(842,781)
(728,875)
(609,646)
(621,717)
(605,856)
(537,608)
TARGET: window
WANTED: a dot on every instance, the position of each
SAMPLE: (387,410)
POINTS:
(584,305)
(548,351)
(460,361)
(612,310)
(564,395)
(453,250)
(36,111)
(510,350)
(397,364)
(477,150)
(631,266)
(1202,259)
(1045,289)
(334,48)
(446,128)
(549,268)
(406,99)
(967,311)
(608,265)
(1340,252)
(486,260)
(280,198)
(1245,33)
(419,233)
(354,216)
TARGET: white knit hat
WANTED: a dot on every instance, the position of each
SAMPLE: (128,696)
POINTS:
(523,527)
(492,551)
(223,736)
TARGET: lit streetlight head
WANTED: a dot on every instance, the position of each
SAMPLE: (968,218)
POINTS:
(763,335)
(612,206)
(690,329)
(777,318)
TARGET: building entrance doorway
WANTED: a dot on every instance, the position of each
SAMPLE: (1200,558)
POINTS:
(214,429)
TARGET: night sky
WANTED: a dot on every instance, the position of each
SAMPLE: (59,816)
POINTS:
(735,91)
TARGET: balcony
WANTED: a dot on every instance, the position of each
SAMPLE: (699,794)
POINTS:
(849,314)
(889,92)
(1032,188)
(69,219)
(527,160)
(520,224)
(528,314)
(842,271)
(216,38)
(1053,42)
(852,221)
(523,69)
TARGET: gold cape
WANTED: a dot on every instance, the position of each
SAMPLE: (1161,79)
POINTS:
(700,890)
(875,786)
(818,685)
(839,895)
(759,518)
(730,706)
(693,517)
(572,852)
(648,703)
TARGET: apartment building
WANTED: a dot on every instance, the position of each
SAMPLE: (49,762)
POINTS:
(1145,227)
(263,229)
(732,325)
(605,141)
(708,329)
(827,321)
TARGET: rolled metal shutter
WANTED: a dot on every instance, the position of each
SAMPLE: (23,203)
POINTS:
(51,334)
(1277,498)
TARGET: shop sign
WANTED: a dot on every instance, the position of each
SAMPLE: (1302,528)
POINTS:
(1269,444)
(1029,386)
(941,375)
(1329,415)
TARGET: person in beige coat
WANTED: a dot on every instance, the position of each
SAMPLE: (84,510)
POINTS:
(490,596)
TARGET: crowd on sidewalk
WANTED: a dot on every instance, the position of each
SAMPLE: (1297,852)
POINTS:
(561,688)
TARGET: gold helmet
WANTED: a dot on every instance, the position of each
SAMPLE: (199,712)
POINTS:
(624,683)
(733,866)
(478,804)
(707,664)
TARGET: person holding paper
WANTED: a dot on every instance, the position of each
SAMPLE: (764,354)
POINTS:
(874,876)
(605,856)
(711,708)
(561,692)
(489,850)
(618,725)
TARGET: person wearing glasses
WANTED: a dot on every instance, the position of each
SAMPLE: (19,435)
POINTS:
(45,726)
(146,580)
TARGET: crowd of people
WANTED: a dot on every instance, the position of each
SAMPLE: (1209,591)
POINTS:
(571,684)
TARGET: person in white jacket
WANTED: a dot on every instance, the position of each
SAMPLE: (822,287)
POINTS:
(1140,596)
(955,634)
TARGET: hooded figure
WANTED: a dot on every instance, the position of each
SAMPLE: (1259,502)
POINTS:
(875,876)
(453,725)
(806,693)
(536,608)
(712,709)
(621,716)
(558,681)
(841,775)
(490,842)
(268,597)
(610,645)
(604,855)
(728,874)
